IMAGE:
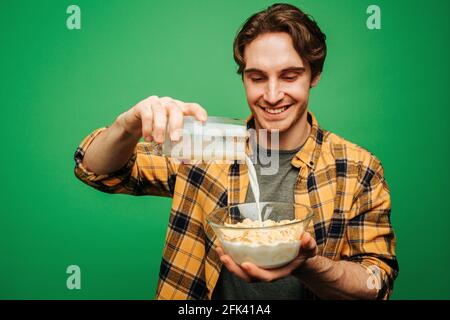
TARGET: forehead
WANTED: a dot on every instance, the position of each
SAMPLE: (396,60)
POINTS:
(272,51)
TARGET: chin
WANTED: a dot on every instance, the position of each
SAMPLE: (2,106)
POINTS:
(280,127)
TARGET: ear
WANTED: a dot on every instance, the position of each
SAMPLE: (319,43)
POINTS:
(315,81)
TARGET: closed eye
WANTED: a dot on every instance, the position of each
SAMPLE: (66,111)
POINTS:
(257,79)
(290,78)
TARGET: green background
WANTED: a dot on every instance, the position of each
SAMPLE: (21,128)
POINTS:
(386,90)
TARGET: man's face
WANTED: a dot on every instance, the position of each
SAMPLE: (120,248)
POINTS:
(277,82)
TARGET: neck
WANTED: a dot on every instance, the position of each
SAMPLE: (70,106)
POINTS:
(290,139)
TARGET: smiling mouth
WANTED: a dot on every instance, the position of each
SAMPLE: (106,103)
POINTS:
(276,110)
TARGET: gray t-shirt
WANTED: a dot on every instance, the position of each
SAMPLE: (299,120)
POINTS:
(277,187)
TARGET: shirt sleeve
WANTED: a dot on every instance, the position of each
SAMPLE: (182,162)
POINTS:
(144,173)
(370,239)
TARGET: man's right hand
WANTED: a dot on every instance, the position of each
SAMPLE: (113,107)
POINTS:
(152,117)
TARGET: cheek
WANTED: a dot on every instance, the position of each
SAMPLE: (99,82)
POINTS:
(253,93)
(298,91)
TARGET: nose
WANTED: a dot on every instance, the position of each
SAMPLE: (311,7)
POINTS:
(272,93)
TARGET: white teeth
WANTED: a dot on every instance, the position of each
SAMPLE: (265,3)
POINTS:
(275,111)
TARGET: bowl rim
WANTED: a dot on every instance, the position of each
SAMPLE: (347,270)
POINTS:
(214,225)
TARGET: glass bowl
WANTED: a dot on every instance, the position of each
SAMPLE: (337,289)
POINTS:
(272,244)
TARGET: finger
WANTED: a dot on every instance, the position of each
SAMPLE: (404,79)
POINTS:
(234,268)
(194,109)
(272,274)
(146,114)
(220,251)
(132,119)
(308,245)
(159,121)
(264,274)
(148,101)
(175,122)
(308,241)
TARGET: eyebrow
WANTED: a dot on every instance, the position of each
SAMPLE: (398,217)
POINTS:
(298,69)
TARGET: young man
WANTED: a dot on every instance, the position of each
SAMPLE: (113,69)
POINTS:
(350,250)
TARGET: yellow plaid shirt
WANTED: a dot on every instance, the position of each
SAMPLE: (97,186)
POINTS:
(343,183)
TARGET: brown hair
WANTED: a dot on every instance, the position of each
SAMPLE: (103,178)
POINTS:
(308,39)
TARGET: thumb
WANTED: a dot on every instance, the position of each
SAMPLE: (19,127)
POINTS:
(308,245)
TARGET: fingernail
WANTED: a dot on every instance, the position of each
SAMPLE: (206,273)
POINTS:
(175,136)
